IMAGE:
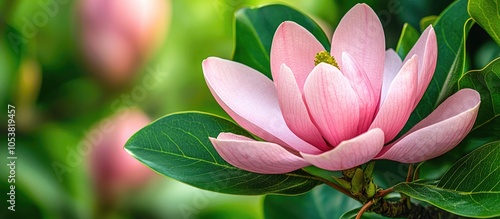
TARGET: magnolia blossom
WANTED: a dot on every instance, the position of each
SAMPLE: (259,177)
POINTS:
(336,111)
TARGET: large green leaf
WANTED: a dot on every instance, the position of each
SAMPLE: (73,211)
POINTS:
(408,38)
(487,82)
(471,187)
(178,146)
(451,29)
(323,202)
(487,14)
(255,28)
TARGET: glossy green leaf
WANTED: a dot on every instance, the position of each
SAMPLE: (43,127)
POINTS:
(471,187)
(322,202)
(178,146)
(451,29)
(426,21)
(408,38)
(487,14)
(487,82)
(255,28)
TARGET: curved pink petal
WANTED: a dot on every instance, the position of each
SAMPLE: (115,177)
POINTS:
(360,34)
(350,153)
(439,132)
(392,66)
(250,98)
(295,111)
(256,156)
(332,103)
(368,100)
(398,105)
(426,50)
(294,46)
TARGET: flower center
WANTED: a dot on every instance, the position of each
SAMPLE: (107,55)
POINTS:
(325,57)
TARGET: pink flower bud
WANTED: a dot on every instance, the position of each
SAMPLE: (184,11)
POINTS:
(112,169)
(119,36)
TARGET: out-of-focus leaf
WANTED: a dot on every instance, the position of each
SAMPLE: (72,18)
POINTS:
(470,188)
(451,29)
(408,38)
(178,146)
(487,82)
(487,14)
(11,50)
(426,21)
(322,202)
(367,215)
(485,53)
(255,28)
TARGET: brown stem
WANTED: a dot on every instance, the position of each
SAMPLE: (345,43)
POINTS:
(382,193)
(364,208)
(409,176)
(337,187)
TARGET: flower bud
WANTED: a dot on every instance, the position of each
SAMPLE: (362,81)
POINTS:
(118,37)
(112,169)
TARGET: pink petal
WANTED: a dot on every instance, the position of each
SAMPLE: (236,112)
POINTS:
(368,101)
(250,98)
(294,46)
(256,156)
(294,109)
(350,153)
(398,105)
(332,103)
(360,34)
(439,132)
(391,68)
(426,50)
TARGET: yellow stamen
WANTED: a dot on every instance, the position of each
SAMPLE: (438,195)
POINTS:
(325,57)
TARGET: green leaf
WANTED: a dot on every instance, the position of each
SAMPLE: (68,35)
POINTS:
(451,30)
(487,82)
(487,14)
(408,38)
(470,188)
(367,215)
(351,214)
(426,21)
(178,146)
(255,28)
(322,202)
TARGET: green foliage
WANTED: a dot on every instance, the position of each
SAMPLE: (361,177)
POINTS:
(354,212)
(487,82)
(178,146)
(470,187)
(451,30)
(10,50)
(255,28)
(426,21)
(487,14)
(408,38)
(320,203)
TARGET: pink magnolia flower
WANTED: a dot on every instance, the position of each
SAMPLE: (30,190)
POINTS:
(336,117)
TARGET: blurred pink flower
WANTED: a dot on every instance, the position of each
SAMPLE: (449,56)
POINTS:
(339,117)
(114,172)
(118,37)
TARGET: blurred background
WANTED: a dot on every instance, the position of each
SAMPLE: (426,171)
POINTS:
(84,75)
